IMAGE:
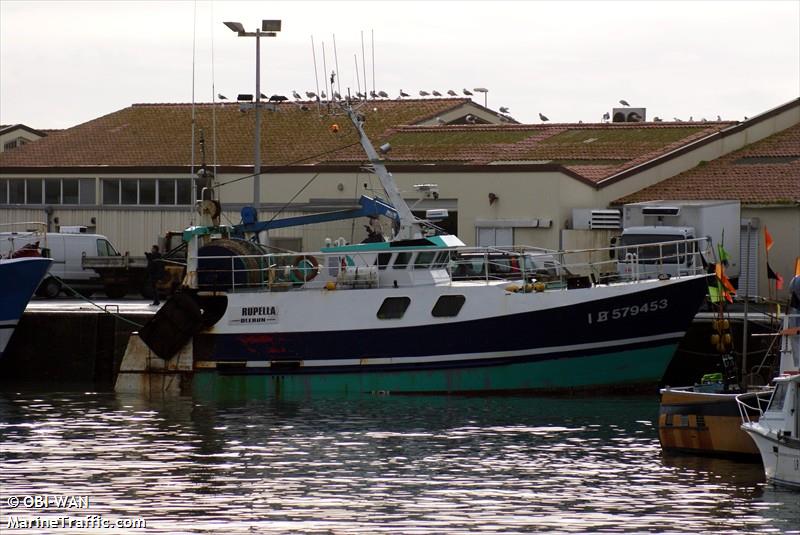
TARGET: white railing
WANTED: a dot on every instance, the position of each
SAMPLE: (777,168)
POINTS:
(554,269)
(747,411)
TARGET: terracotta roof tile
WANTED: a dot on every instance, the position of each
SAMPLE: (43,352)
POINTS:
(774,177)
(152,135)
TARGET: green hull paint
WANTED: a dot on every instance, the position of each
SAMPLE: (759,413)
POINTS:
(623,370)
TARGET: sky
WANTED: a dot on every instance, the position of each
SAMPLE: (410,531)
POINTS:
(64,63)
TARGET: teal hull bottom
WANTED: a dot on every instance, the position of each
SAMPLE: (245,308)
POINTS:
(634,370)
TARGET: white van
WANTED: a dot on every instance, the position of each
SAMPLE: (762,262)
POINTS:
(66,250)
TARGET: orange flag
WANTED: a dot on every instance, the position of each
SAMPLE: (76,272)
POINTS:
(767,239)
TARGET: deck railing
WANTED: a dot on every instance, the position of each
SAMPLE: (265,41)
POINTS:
(426,265)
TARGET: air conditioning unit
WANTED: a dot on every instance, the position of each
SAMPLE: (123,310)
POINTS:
(629,115)
(605,219)
(596,219)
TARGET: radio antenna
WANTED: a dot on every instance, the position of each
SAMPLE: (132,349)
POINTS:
(358,80)
(336,60)
(364,65)
(316,74)
(324,73)
(373,60)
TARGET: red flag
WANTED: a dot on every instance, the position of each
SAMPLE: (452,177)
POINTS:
(767,239)
(771,274)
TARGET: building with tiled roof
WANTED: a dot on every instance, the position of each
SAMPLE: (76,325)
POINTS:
(129,173)
(17,135)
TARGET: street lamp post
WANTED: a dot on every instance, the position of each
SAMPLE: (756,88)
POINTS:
(269,28)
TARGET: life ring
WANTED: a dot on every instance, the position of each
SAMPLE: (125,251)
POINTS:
(306,267)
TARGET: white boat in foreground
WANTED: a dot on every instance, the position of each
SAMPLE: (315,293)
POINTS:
(777,430)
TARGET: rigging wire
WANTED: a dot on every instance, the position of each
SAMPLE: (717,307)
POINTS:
(294,162)
(191,168)
(213,102)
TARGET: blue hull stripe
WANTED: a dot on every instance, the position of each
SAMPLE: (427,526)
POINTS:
(527,332)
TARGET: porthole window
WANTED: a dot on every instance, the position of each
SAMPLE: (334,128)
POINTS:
(448,306)
(393,308)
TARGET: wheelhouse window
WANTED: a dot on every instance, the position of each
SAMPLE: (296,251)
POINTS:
(448,306)
(424,260)
(393,308)
(401,261)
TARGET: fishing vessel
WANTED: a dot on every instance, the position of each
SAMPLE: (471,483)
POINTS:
(776,432)
(391,316)
(19,278)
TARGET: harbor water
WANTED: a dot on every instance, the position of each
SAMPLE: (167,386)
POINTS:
(373,464)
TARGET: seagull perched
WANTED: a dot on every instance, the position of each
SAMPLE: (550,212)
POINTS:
(624,103)
(657,119)
(361,95)
(311,95)
(436,93)
(470,119)
(383,94)
(373,94)
(220,96)
(606,116)
(296,95)
(719,118)
(676,120)
(403,94)
(467,92)
(424,93)
(452,93)
(440,120)
(337,96)
(323,95)
(543,118)
(503,109)
(262,96)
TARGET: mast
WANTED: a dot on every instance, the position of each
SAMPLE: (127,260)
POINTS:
(409,227)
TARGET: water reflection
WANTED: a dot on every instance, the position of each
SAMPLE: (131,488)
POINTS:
(378,464)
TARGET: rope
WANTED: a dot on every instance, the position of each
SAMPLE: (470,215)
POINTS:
(76,292)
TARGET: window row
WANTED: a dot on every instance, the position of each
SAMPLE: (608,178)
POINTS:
(421,260)
(447,306)
(47,191)
(113,191)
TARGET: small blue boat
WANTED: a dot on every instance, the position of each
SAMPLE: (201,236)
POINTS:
(19,278)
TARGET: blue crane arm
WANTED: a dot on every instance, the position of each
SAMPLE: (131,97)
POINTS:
(370,207)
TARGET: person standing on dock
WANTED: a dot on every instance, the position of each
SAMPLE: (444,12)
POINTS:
(155,268)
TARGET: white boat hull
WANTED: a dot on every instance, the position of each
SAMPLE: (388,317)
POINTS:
(781,456)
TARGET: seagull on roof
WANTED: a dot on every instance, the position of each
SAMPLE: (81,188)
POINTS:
(470,119)
(311,95)
(676,120)
(452,93)
(543,118)
(383,94)
(467,92)
(719,118)
(657,119)
(424,93)
(361,95)
(296,95)
(220,96)
(503,109)
(337,96)
(440,120)
(606,116)
(403,94)
(373,94)
(624,103)
(436,93)
(262,96)
(323,95)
